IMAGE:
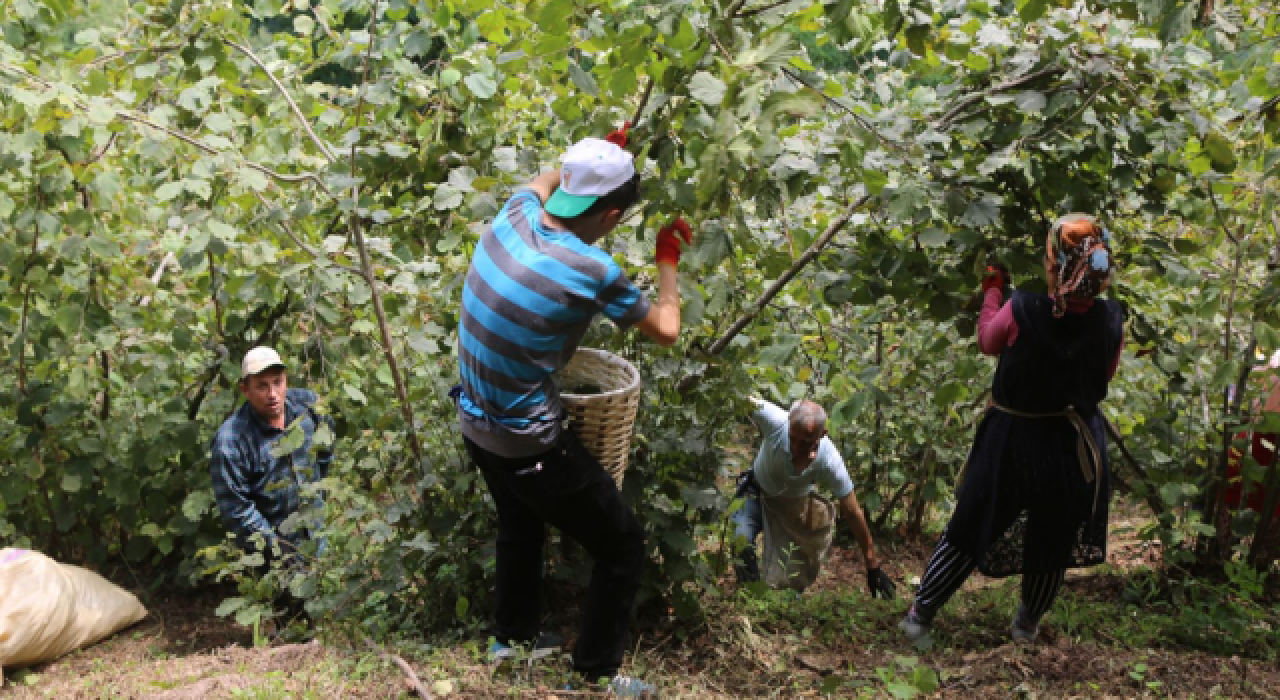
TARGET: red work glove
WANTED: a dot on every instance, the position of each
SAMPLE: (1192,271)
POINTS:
(669,245)
(997,278)
(619,137)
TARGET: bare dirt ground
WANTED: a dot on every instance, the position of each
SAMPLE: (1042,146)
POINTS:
(831,642)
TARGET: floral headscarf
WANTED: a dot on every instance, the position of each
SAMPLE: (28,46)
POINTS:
(1078,259)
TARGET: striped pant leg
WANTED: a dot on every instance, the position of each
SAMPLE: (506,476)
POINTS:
(1039,592)
(947,570)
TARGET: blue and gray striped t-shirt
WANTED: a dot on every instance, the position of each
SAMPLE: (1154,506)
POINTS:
(530,294)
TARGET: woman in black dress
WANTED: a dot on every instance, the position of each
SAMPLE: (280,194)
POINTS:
(1036,487)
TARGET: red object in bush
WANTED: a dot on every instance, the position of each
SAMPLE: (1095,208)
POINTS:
(1264,456)
(618,137)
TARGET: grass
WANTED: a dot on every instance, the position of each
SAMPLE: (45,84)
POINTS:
(1117,632)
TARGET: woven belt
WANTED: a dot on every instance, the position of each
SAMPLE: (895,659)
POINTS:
(1085,446)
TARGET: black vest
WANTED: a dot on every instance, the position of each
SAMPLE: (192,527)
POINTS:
(1058,362)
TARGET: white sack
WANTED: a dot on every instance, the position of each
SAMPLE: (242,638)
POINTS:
(48,609)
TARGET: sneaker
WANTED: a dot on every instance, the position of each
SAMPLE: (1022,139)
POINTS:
(1024,628)
(628,687)
(915,626)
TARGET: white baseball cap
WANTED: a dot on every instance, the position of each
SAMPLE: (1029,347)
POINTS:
(589,169)
(259,360)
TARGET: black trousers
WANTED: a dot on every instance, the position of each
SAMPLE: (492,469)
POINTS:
(565,487)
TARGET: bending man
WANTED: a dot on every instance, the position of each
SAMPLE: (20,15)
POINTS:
(796,454)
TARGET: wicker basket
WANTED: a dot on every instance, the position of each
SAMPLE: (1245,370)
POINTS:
(603,421)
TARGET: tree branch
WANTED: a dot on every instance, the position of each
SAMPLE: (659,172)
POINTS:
(303,177)
(805,258)
(1153,502)
(411,677)
(972,98)
(285,93)
(185,138)
(288,231)
(103,60)
(761,8)
(808,256)
(366,265)
(644,101)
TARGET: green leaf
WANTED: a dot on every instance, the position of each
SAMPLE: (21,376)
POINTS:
(304,25)
(706,88)
(461,606)
(875,181)
(449,77)
(1221,155)
(583,79)
(684,37)
(447,197)
(219,122)
(981,212)
(168,191)
(933,238)
(950,393)
(1032,10)
(1267,336)
(354,393)
(778,354)
(251,178)
(196,504)
(71,483)
(481,85)
(917,36)
(67,319)
(1030,101)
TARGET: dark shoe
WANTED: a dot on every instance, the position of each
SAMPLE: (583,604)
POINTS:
(915,625)
(1024,628)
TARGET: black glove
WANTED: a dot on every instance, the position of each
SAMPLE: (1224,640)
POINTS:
(880,585)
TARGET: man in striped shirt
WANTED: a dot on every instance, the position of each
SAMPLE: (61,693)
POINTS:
(535,283)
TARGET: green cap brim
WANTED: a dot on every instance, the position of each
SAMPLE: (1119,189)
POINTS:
(567,206)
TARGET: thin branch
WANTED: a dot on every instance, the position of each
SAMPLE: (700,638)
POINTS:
(303,177)
(315,253)
(975,97)
(862,121)
(1118,440)
(411,677)
(366,265)
(26,306)
(1072,119)
(644,101)
(285,93)
(1221,220)
(734,8)
(169,259)
(103,60)
(809,255)
(213,295)
(762,8)
(95,157)
(190,140)
(889,505)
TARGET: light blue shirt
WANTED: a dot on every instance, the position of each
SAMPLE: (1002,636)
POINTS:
(773,469)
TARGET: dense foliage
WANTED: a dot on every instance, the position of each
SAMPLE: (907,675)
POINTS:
(184,180)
